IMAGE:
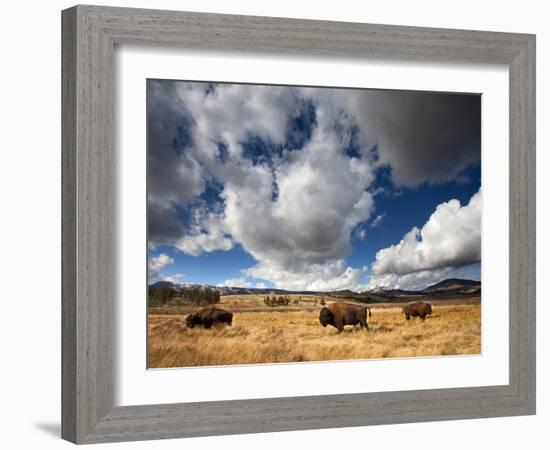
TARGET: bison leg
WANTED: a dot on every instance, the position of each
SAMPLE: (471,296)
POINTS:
(340,326)
(407,317)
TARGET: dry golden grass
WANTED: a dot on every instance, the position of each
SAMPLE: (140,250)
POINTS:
(275,335)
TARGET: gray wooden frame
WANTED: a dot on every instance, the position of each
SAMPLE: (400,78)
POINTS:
(89,36)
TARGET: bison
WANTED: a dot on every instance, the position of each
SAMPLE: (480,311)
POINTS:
(207,317)
(340,314)
(417,309)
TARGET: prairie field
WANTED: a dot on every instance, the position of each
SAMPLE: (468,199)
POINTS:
(262,334)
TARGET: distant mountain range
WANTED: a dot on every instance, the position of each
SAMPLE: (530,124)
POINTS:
(446,289)
(223,290)
(453,283)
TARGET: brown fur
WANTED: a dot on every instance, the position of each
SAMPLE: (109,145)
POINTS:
(207,317)
(417,309)
(339,314)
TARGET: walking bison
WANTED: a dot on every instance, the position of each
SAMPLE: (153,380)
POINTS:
(206,317)
(417,309)
(340,314)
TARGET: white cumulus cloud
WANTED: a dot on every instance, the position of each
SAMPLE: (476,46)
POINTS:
(236,282)
(157,263)
(311,220)
(174,278)
(450,238)
(206,234)
(294,212)
(333,275)
(377,220)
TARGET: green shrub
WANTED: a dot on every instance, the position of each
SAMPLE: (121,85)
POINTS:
(277,301)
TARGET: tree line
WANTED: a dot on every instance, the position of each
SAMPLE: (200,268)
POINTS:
(190,295)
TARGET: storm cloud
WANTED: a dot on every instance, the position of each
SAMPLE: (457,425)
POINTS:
(423,137)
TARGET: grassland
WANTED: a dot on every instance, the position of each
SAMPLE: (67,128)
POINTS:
(263,334)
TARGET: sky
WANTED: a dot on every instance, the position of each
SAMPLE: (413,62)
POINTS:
(307,188)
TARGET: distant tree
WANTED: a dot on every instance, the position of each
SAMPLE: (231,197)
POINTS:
(199,295)
(277,301)
(160,296)
(323,302)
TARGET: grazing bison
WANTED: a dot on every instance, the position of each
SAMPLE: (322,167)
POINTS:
(207,317)
(340,314)
(417,309)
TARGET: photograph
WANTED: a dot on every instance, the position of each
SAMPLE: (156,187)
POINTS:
(291,224)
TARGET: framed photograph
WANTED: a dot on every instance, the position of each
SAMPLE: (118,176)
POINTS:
(267,222)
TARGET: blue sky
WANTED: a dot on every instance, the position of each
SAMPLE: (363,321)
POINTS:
(312,188)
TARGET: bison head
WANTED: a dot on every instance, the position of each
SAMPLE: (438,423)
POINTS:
(192,320)
(326,317)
